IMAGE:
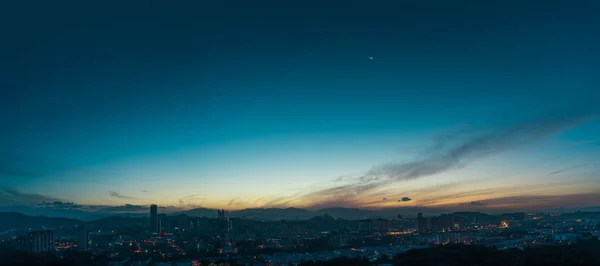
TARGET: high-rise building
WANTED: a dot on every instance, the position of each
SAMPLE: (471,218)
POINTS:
(365,225)
(154,219)
(220,213)
(40,241)
(383,225)
(444,222)
(167,224)
(229,225)
(224,225)
(421,223)
(162,223)
(82,238)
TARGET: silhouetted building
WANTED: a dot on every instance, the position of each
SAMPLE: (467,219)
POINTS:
(40,241)
(167,225)
(194,225)
(224,225)
(421,223)
(171,225)
(154,219)
(83,239)
(465,237)
(338,238)
(383,225)
(518,216)
(365,225)
(444,222)
(162,223)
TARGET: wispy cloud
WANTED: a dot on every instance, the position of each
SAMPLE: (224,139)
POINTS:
(170,208)
(539,202)
(459,150)
(450,152)
(61,205)
(10,196)
(192,201)
(235,202)
(119,196)
(567,169)
(124,208)
(474,203)
(283,201)
(339,179)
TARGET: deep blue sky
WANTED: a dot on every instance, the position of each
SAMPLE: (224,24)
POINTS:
(263,103)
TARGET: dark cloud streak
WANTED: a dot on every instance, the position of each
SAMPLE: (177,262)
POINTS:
(119,196)
(474,203)
(452,152)
(124,208)
(15,197)
(235,202)
(567,169)
(61,205)
(464,148)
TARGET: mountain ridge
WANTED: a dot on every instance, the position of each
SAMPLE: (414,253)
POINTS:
(290,213)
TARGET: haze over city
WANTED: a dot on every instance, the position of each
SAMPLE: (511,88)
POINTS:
(479,106)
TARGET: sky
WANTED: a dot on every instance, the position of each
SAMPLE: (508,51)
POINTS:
(475,105)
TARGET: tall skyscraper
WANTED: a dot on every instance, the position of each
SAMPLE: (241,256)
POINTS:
(154,219)
(82,238)
(40,241)
(421,223)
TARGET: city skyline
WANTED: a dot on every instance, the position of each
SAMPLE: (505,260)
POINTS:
(469,106)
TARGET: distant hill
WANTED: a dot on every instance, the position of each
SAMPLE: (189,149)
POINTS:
(119,222)
(351,213)
(304,214)
(67,213)
(13,220)
(255,213)
(19,221)
(590,209)
(54,212)
(200,212)
(251,213)
(273,214)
